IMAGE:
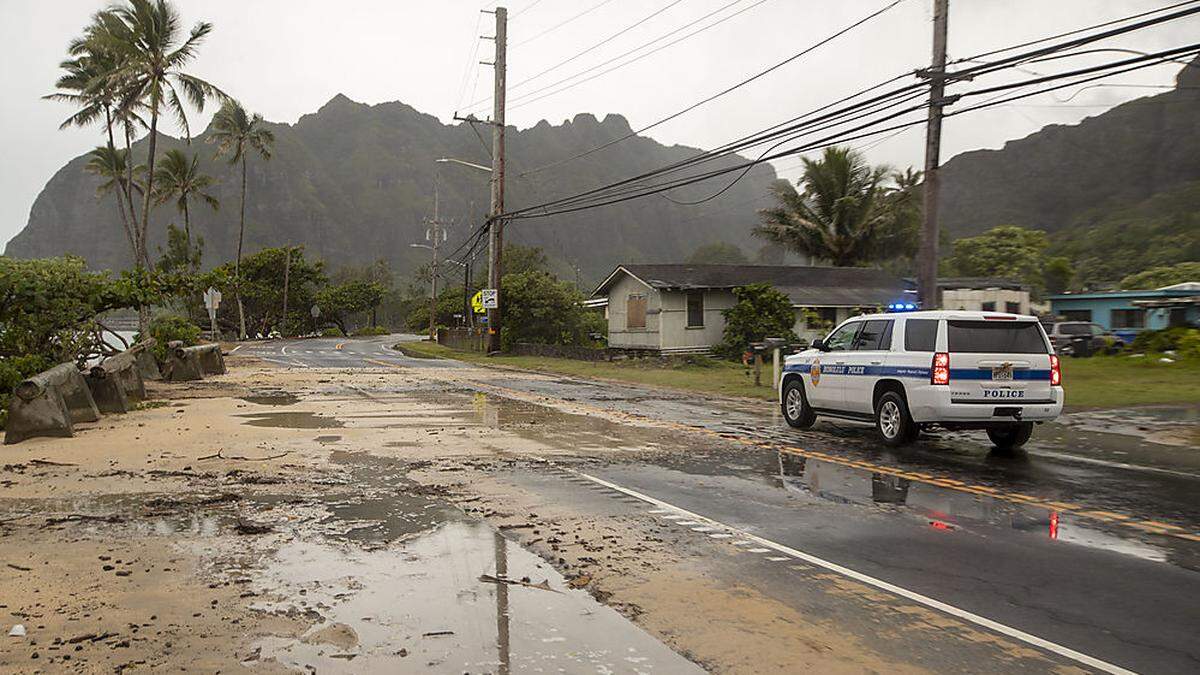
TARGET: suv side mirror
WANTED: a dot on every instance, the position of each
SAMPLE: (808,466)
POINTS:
(819,344)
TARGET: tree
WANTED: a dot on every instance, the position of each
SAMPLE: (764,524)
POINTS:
(541,309)
(718,253)
(180,178)
(110,165)
(339,302)
(261,282)
(761,312)
(1157,277)
(236,133)
(1005,251)
(148,73)
(1057,273)
(521,259)
(842,216)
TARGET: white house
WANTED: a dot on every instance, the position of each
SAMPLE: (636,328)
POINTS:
(677,308)
(978,294)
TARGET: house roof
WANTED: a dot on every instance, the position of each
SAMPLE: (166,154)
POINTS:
(804,286)
(980,283)
(1109,295)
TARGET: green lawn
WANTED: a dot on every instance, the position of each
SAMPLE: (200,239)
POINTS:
(709,376)
(1121,381)
(1097,382)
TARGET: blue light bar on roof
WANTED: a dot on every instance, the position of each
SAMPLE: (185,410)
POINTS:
(901,307)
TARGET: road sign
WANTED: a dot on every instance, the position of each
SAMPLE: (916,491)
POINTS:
(315,311)
(490,298)
(477,302)
(212,299)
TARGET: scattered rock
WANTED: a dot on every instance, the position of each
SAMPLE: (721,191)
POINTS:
(339,635)
(250,527)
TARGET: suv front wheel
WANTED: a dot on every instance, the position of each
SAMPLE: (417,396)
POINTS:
(892,421)
(796,410)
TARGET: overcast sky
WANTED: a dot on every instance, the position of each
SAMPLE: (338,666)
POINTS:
(285,58)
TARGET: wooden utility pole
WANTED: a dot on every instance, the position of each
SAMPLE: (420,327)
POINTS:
(495,225)
(435,235)
(287,268)
(927,258)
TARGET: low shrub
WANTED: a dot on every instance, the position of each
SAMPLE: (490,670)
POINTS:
(167,328)
(1170,339)
(371,330)
(332,331)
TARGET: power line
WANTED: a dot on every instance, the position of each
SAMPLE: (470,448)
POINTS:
(556,26)
(721,93)
(598,198)
(531,96)
(584,51)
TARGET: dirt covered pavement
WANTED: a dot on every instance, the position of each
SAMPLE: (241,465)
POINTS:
(407,519)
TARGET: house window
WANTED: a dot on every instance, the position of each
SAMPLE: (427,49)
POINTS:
(987,306)
(1084,315)
(695,309)
(1012,307)
(821,318)
(635,312)
(1129,318)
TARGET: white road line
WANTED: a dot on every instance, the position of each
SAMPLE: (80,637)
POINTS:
(963,614)
(235,349)
(721,535)
(759,550)
(283,349)
(1066,457)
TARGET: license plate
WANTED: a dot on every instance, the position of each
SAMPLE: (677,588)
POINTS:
(1002,373)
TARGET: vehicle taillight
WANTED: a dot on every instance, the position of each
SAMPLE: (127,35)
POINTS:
(940,372)
(1055,371)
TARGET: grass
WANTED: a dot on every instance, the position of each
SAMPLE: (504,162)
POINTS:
(709,376)
(1096,382)
(1121,381)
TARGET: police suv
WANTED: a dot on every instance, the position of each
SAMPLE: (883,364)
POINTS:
(916,370)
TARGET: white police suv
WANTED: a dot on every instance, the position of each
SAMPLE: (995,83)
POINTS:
(916,370)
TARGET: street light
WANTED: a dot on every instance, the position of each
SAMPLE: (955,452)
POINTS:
(451,160)
(466,266)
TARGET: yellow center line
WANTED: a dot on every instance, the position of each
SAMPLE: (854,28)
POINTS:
(339,345)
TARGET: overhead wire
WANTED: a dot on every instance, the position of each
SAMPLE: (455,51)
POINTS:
(556,26)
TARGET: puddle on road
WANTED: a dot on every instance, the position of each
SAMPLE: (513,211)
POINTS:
(291,420)
(423,606)
(327,440)
(399,588)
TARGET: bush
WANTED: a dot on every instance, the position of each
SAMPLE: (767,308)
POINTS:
(167,328)
(332,331)
(761,312)
(371,330)
(1170,339)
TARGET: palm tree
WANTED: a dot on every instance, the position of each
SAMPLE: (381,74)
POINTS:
(146,36)
(840,214)
(111,165)
(236,132)
(180,178)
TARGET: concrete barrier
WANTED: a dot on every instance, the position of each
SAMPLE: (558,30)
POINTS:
(211,358)
(124,367)
(183,363)
(107,391)
(50,404)
(143,354)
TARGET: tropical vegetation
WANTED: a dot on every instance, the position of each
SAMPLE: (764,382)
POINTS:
(761,311)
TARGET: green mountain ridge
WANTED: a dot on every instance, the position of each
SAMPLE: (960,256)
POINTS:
(355,183)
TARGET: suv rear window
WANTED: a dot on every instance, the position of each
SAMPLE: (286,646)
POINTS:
(995,337)
(920,335)
(1074,329)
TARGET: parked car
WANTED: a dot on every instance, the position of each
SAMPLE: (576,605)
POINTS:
(1082,338)
(913,371)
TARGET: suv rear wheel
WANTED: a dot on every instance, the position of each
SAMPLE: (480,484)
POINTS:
(1012,436)
(892,420)
(796,410)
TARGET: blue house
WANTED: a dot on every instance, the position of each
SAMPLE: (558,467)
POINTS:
(1128,312)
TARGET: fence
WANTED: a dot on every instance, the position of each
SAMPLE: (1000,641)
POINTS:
(560,351)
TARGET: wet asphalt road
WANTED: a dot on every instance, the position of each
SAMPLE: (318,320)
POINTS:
(1089,540)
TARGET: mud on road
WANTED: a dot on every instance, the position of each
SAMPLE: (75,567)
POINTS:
(416,520)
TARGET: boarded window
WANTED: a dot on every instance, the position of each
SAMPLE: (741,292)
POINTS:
(635,311)
(695,309)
